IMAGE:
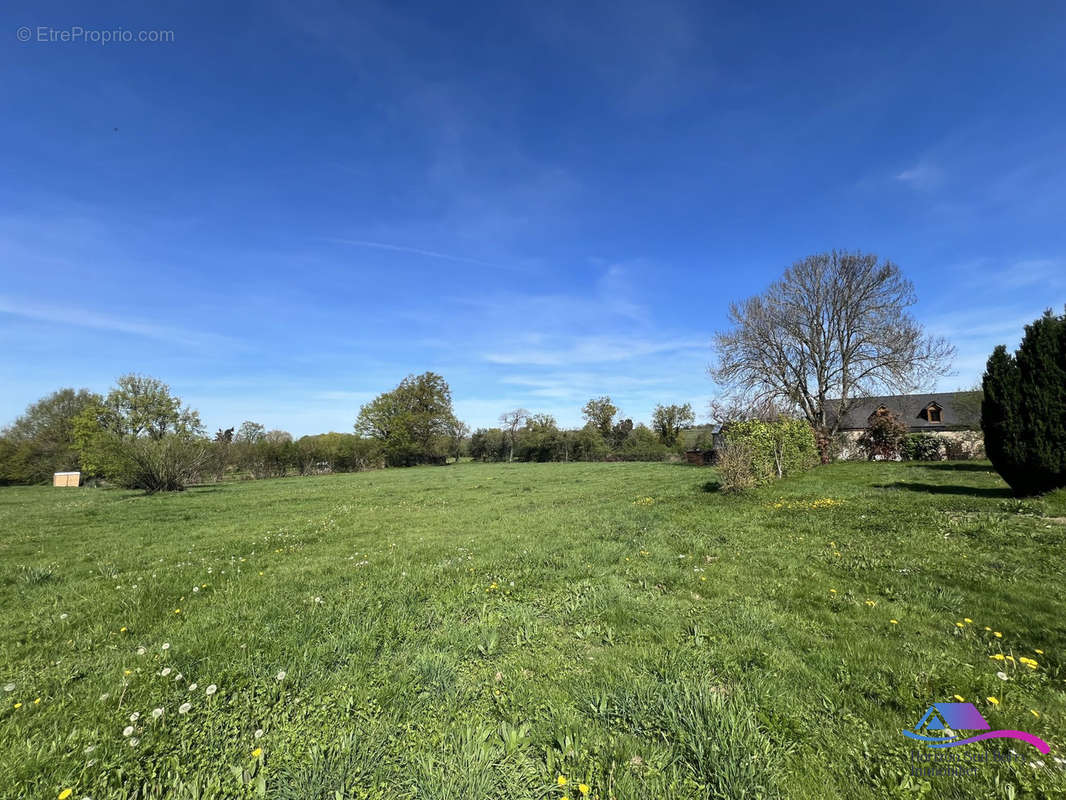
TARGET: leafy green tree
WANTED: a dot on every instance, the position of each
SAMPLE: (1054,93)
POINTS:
(589,444)
(411,422)
(1023,414)
(642,444)
(141,405)
(669,421)
(249,432)
(140,437)
(599,412)
(541,439)
(488,444)
(41,441)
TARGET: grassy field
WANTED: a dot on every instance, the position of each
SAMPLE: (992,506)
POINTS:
(485,631)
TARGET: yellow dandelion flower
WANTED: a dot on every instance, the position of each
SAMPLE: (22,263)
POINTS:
(1034,712)
(987,628)
(561,780)
(63,795)
(832,591)
(257,752)
(967,620)
(127,672)
(959,625)
(894,621)
(992,700)
(997,634)
(177,610)
(998,656)
(959,698)
(1039,652)
(583,788)
(18,705)
(37,702)
(123,629)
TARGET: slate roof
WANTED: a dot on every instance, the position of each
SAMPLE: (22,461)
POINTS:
(957,410)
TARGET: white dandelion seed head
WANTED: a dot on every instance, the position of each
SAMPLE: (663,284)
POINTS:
(195,589)
(136,715)
(1001,675)
(211,689)
(63,616)
(134,741)
(9,687)
(141,651)
(281,675)
(184,708)
(166,645)
(165,672)
(157,713)
(178,677)
(127,731)
(259,733)
(192,687)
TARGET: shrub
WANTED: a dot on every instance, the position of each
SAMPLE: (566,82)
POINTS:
(964,445)
(883,436)
(921,447)
(1023,414)
(735,466)
(774,449)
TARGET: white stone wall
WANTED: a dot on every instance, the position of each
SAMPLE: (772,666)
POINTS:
(959,444)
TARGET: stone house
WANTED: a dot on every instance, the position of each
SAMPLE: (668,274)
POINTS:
(953,417)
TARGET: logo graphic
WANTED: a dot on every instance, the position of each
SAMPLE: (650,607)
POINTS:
(948,718)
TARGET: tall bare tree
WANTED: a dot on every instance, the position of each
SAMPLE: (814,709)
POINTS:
(832,331)
(512,421)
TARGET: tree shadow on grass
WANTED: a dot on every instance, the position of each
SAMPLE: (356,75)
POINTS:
(935,488)
(962,466)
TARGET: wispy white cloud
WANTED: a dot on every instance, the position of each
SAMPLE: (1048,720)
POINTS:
(418,251)
(83,318)
(590,350)
(923,175)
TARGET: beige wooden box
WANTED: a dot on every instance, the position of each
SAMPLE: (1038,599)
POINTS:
(66,479)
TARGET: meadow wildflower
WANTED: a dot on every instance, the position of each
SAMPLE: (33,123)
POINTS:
(561,780)
(37,702)
(166,645)
(959,625)
(192,686)
(280,676)
(992,700)
(1034,712)
(258,733)
(998,656)
(211,689)
(157,713)
(1039,652)
(165,671)
(960,698)
(63,616)
(967,620)
(257,752)
(63,795)
(184,708)
(9,687)
(123,629)
(18,706)
(1001,675)
(127,731)
(583,788)
(1032,664)
(894,621)
(140,651)
(134,741)
(997,634)
(136,715)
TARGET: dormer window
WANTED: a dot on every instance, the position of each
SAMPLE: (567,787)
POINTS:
(932,413)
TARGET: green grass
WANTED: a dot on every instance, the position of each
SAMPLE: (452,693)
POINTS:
(476,631)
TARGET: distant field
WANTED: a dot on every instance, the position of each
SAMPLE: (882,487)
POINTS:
(482,631)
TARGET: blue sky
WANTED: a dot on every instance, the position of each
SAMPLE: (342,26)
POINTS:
(291,206)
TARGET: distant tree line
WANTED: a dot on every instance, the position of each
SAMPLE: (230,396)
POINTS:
(140,435)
